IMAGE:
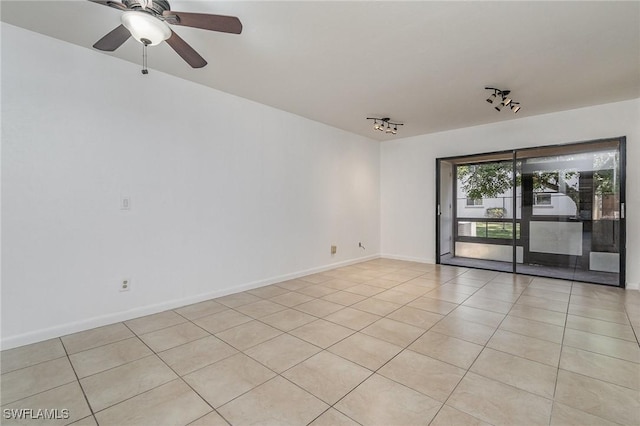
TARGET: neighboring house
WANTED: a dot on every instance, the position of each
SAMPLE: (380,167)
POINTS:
(546,203)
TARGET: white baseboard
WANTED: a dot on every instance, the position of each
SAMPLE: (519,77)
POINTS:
(102,320)
(99,321)
(408,258)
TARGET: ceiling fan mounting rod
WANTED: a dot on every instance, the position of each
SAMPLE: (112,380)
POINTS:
(145,70)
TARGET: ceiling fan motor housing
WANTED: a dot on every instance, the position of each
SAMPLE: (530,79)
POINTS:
(155,7)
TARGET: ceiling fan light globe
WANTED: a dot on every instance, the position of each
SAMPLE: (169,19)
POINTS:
(142,25)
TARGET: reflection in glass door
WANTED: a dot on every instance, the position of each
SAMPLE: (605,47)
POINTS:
(571,212)
(551,211)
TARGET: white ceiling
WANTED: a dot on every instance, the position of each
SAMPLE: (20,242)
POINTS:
(422,63)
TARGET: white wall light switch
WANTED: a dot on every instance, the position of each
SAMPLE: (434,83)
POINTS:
(125,202)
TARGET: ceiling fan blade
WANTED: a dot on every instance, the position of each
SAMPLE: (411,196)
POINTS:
(187,52)
(225,24)
(110,3)
(113,40)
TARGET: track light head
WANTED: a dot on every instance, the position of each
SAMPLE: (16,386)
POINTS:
(385,125)
(505,100)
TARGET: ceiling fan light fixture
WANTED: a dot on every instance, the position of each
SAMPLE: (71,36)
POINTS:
(146,28)
(491,98)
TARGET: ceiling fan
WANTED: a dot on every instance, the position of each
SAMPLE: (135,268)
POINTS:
(146,21)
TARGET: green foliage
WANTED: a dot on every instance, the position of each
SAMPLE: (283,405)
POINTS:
(496,230)
(604,182)
(490,180)
(604,177)
(486,180)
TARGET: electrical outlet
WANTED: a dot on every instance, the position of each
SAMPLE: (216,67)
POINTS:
(125,285)
(334,249)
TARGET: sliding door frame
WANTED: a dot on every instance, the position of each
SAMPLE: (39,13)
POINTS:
(622,149)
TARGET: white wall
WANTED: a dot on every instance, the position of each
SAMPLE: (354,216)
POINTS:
(408,176)
(226,193)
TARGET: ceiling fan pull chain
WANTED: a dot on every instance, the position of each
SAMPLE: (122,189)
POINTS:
(144,59)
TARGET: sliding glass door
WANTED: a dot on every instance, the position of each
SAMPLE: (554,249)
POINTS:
(571,212)
(550,211)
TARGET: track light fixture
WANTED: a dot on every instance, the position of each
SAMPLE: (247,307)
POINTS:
(504,100)
(385,125)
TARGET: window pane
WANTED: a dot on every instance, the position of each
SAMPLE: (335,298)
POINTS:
(542,200)
(469,229)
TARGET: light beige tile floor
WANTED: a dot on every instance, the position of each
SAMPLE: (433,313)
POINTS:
(383,342)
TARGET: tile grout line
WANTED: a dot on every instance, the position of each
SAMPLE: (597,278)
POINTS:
(84,394)
(633,330)
(101,345)
(178,377)
(474,361)
(37,363)
(277,374)
(401,351)
(326,349)
(584,375)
